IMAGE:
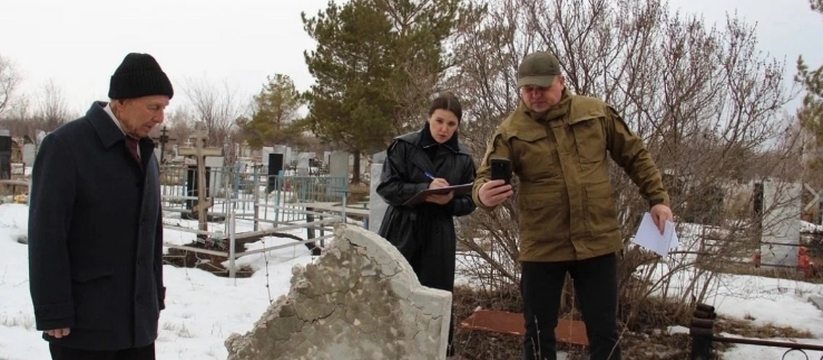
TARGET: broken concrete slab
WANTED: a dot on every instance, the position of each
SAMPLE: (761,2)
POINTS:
(359,300)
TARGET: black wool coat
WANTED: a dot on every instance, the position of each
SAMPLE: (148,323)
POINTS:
(96,236)
(427,225)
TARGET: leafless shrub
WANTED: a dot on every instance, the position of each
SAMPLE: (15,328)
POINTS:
(10,80)
(704,99)
(218,108)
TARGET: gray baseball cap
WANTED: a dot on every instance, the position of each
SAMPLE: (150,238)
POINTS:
(538,68)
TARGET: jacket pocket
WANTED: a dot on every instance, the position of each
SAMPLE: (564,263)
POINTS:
(540,215)
(535,155)
(601,214)
(92,292)
(590,140)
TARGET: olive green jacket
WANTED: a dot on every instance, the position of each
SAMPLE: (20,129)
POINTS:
(565,196)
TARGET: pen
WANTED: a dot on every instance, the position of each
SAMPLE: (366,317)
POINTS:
(428,175)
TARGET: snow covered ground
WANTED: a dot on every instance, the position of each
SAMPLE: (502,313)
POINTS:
(202,310)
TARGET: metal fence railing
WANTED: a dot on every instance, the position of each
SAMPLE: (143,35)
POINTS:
(273,203)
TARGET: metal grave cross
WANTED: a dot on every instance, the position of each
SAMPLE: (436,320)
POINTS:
(164,138)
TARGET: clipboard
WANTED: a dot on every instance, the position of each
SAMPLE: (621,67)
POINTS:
(458,190)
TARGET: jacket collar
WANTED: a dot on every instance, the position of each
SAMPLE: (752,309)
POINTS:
(106,129)
(559,110)
(426,140)
(415,138)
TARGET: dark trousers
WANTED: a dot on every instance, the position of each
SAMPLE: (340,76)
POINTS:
(63,353)
(433,262)
(595,284)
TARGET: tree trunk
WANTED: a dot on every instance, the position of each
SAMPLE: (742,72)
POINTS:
(355,172)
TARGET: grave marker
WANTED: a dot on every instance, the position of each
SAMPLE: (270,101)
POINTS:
(359,300)
(200,151)
(780,206)
(377,207)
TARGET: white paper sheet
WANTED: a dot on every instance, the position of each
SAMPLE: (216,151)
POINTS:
(649,237)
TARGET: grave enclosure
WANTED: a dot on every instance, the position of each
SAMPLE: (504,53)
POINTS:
(265,200)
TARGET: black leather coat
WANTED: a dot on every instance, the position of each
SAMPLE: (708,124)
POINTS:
(404,174)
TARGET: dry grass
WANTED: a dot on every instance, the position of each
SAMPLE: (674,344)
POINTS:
(747,328)
(644,337)
(484,345)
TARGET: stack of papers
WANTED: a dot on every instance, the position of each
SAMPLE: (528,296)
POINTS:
(649,236)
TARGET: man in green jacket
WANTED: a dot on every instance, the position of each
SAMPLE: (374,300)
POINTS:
(558,145)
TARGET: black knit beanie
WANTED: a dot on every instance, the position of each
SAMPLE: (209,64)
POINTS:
(139,75)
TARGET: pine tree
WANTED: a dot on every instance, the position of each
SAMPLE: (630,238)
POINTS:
(811,113)
(276,109)
(375,66)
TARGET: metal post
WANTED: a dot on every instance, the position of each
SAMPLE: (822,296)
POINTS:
(310,223)
(202,208)
(278,184)
(267,199)
(256,194)
(345,195)
(345,218)
(228,199)
(322,233)
(236,188)
(232,240)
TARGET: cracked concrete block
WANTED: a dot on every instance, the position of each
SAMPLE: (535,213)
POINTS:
(359,300)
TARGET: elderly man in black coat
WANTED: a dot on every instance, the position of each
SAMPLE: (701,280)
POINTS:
(95,223)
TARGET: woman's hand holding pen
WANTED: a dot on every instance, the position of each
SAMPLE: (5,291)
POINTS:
(436,183)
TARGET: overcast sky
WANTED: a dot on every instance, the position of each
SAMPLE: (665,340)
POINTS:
(79,43)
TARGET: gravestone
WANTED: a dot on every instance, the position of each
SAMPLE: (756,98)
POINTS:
(780,205)
(377,206)
(40,136)
(287,155)
(339,164)
(5,155)
(192,187)
(303,163)
(264,154)
(215,163)
(29,154)
(359,300)
(275,166)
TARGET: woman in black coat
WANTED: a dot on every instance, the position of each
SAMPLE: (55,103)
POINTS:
(428,158)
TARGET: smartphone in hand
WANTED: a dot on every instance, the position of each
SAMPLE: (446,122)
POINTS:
(501,169)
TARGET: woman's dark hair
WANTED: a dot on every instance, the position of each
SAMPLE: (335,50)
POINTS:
(447,101)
